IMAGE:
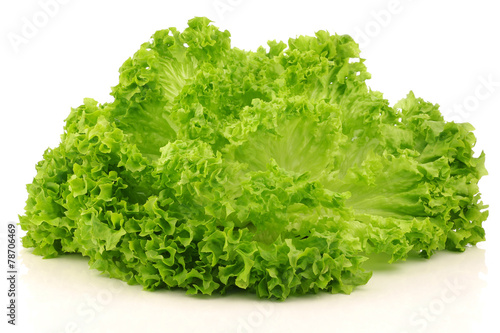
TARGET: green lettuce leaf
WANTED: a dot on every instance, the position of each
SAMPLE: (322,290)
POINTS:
(276,171)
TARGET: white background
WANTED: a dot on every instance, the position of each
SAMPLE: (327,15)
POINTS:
(444,51)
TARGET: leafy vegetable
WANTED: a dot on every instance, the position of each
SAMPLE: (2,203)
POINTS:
(277,171)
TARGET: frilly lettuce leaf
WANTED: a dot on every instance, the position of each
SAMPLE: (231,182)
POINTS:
(276,171)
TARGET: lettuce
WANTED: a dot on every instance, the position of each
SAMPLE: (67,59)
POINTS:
(276,171)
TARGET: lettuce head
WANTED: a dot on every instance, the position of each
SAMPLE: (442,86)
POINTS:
(277,171)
